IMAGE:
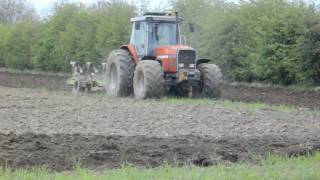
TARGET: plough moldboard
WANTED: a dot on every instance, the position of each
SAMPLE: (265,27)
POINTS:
(87,78)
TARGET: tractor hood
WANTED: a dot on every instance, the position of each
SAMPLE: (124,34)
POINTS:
(168,55)
(169,50)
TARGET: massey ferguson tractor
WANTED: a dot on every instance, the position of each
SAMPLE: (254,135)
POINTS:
(157,62)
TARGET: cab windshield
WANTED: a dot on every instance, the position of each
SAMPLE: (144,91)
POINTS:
(162,34)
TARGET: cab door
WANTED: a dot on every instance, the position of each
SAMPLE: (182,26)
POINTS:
(139,38)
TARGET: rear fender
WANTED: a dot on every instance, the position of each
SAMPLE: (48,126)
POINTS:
(201,61)
(149,58)
(132,51)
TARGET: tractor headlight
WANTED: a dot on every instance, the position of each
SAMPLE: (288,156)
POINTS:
(181,65)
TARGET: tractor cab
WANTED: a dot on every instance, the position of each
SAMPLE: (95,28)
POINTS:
(153,30)
(157,36)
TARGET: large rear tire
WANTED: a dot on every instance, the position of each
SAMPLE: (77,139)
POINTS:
(211,78)
(148,81)
(119,73)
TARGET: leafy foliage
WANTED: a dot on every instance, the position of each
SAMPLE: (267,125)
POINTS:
(15,44)
(273,41)
(114,27)
(81,34)
(73,33)
(16,11)
(69,35)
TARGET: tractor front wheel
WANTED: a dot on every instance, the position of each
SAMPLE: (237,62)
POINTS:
(211,78)
(119,73)
(148,81)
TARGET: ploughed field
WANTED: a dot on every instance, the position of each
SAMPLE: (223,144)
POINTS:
(58,130)
(278,96)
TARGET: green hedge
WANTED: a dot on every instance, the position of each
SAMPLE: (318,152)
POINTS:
(275,41)
(72,33)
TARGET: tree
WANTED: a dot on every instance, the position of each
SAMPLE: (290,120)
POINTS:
(82,34)
(17,46)
(144,6)
(309,47)
(263,40)
(4,31)
(12,11)
(114,26)
(78,41)
(50,53)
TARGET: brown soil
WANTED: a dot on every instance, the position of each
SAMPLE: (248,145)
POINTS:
(33,81)
(58,130)
(278,96)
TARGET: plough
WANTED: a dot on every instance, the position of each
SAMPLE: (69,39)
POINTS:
(86,79)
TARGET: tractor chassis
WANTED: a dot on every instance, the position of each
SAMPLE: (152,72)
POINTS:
(177,87)
(183,78)
(186,83)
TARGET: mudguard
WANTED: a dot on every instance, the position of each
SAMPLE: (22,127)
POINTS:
(132,51)
(200,61)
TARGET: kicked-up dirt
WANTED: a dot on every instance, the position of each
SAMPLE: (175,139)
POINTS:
(278,96)
(58,130)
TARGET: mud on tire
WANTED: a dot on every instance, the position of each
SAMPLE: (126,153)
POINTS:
(211,77)
(148,80)
(119,73)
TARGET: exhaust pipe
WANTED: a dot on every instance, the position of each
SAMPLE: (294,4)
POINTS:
(177,29)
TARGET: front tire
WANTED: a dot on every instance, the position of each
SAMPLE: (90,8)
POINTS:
(211,78)
(119,73)
(148,80)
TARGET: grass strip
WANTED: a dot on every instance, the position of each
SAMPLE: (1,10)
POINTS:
(273,167)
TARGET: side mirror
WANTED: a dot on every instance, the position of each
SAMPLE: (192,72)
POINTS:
(137,25)
(191,27)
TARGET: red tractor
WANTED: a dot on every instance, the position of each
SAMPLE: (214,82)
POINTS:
(156,63)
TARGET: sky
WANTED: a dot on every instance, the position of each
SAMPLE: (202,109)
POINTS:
(44,7)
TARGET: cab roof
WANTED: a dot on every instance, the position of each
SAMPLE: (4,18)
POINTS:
(156,16)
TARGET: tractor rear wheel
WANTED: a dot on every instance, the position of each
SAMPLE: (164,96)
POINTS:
(148,81)
(211,78)
(119,73)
